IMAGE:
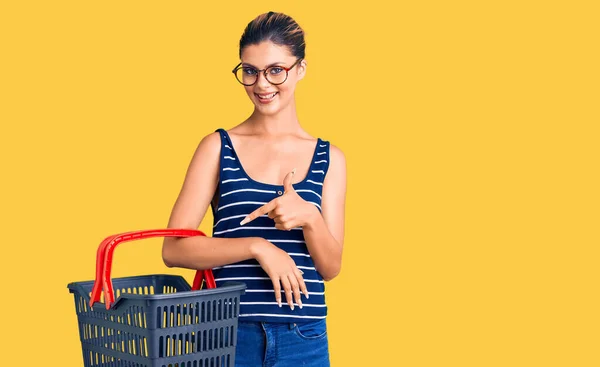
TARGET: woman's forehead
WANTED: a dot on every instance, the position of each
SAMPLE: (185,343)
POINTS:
(265,54)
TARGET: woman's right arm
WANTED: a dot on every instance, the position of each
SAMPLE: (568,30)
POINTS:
(198,189)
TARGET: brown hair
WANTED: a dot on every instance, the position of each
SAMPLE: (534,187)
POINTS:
(278,28)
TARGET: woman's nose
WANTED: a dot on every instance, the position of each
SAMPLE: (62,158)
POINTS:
(262,80)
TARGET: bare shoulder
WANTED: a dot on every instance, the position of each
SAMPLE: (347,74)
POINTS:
(205,162)
(337,155)
(199,185)
(337,164)
(207,153)
(210,144)
(334,185)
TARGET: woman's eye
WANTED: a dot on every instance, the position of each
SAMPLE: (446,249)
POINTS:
(276,70)
(249,71)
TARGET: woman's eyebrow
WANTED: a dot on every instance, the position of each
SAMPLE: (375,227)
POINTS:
(273,64)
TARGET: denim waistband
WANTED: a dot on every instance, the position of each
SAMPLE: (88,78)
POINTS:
(270,325)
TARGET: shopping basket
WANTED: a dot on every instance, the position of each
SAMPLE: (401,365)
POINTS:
(155,320)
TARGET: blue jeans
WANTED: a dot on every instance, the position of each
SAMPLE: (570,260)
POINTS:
(267,344)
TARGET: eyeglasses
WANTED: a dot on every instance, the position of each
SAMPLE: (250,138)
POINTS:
(274,74)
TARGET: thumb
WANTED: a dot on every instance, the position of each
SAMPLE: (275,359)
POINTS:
(287,181)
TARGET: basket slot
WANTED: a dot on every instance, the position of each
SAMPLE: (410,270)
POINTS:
(173,345)
(187,314)
(136,316)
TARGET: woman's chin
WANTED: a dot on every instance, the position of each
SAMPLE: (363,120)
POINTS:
(268,108)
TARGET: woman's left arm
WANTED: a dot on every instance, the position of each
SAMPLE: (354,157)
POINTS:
(324,232)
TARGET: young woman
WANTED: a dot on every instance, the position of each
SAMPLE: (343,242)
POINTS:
(278,198)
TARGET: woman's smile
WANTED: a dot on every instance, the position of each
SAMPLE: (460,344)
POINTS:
(266,98)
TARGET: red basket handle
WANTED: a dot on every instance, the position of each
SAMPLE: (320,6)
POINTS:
(95,296)
(105,253)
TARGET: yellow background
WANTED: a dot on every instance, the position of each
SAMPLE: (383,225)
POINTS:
(470,131)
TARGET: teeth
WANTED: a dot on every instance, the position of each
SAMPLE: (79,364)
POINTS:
(267,96)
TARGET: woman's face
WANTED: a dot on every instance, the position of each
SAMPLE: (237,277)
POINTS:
(262,56)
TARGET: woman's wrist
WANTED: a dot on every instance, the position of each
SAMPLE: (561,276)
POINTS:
(257,246)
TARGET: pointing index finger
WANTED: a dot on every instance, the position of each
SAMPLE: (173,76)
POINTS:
(258,212)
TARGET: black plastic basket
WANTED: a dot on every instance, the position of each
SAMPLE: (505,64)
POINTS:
(155,320)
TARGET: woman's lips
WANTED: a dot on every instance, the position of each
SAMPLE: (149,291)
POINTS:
(265,101)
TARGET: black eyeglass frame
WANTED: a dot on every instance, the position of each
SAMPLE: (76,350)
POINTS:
(264,71)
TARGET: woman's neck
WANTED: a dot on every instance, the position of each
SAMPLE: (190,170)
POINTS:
(283,123)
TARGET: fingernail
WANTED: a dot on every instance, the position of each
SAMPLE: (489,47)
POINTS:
(306,295)
(279,302)
(294,171)
(300,304)
(292,306)
(244,221)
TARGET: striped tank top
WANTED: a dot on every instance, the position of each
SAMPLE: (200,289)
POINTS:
(238,196)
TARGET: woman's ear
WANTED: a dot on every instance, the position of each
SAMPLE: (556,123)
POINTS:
(301,69)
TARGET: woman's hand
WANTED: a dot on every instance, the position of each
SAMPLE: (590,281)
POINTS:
(288,211)
(283,272)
